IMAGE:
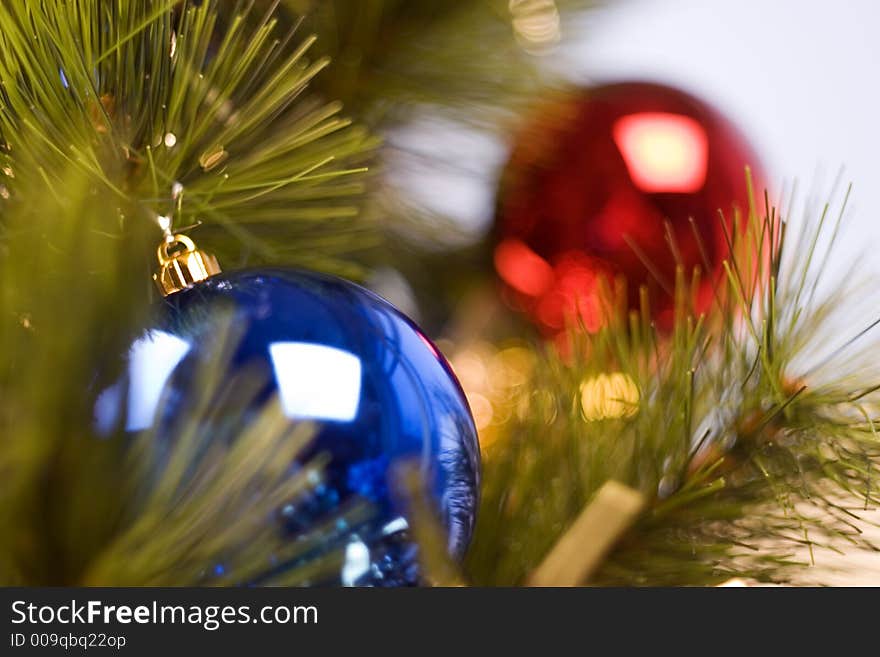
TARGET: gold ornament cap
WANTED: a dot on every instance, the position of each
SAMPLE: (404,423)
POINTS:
(181,265)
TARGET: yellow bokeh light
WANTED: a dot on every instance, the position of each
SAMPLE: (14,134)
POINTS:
(535,22)
(481,409)
(609,396)
(469,366)
(510,368)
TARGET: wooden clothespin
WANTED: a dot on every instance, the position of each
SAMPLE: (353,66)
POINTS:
(581,550)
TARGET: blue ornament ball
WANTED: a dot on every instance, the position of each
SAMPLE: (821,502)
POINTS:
(336,354)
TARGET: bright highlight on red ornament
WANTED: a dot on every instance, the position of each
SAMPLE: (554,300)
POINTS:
(523,269)
(571,289)
(663,152)
(576,294)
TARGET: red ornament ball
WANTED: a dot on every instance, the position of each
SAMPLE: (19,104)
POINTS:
(590,188)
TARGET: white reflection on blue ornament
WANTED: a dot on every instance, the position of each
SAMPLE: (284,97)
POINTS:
(316,382)
(151,360)
(396,525)
(357,562)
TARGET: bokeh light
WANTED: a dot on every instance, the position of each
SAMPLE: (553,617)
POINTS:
(609,396)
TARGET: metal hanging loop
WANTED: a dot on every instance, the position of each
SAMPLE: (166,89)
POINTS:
(182,264)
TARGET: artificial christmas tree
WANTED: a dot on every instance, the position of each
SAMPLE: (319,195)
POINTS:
(682,449)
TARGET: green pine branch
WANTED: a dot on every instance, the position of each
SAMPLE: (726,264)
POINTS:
(750,448)
(169,116)
(473,58)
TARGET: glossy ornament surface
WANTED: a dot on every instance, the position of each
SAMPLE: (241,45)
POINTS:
(590,187)
(342,357)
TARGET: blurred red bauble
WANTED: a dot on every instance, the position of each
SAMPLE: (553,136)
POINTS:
(590,187)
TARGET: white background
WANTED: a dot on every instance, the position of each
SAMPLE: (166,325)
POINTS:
(800,78)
